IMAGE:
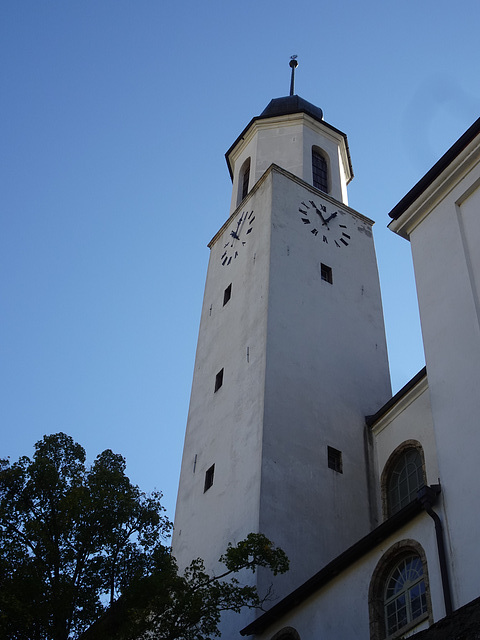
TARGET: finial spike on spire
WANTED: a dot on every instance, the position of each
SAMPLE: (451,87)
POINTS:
(293,64)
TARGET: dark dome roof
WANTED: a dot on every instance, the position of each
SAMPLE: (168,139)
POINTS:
(291,104)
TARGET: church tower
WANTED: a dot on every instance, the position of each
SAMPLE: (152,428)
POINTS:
(291,355)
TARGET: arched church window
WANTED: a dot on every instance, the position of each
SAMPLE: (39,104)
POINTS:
(405,594)
(243,181)
(399,597)
(403,477)
(319,170)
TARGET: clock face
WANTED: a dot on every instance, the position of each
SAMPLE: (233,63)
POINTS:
(238,235)
(325,223)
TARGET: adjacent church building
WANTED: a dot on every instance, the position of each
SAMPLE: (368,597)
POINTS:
(292,428)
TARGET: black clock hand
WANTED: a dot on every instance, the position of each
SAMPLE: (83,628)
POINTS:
(332,216)
(324,222)
(234,234)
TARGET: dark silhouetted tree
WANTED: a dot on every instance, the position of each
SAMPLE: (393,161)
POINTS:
(79,545)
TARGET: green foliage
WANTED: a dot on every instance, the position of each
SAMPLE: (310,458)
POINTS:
(71,538)
(79,545)
(168,606)
(255,551)
(197,600)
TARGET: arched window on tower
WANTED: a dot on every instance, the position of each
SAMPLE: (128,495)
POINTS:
(399,597)
(319,170)
(287,633)
(403,476)
(243,180)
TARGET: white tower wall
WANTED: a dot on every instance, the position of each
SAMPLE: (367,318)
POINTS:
(303,359)
(225,427)
(326,369)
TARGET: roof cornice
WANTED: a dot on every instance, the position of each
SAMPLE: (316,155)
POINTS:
(437,182)
(400,400)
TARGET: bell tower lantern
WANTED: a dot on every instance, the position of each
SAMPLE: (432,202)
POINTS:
(291,133)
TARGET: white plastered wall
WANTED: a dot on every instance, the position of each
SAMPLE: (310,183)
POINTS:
(326,368)
(445,250)
(225,428)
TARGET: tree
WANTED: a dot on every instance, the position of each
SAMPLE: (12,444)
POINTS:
(167,606)
(76,542)
(71,538)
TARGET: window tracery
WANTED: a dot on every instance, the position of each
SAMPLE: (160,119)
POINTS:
(399,597)
(402,477)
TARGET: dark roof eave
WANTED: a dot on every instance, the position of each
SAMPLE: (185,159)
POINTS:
(370,420)
(336,566)
(431,175)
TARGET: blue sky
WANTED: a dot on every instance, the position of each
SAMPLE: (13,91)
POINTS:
(115,117)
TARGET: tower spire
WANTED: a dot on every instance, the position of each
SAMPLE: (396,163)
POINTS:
(293,64)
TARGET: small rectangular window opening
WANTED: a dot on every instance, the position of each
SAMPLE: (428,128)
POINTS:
(227,294)
(335,459)
(209,473)
(326,273)
(218,380)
